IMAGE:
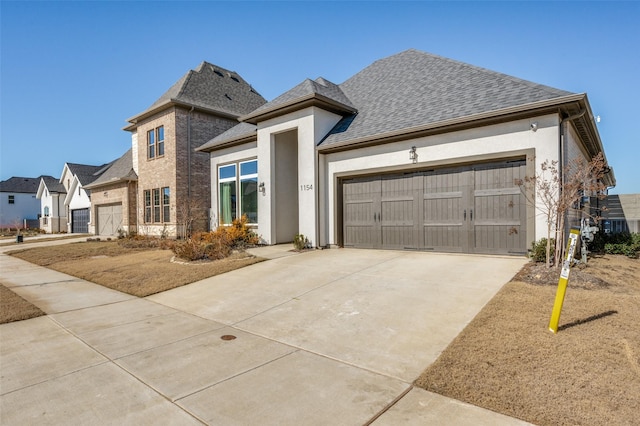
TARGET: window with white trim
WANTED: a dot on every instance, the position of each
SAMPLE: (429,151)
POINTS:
(235,179)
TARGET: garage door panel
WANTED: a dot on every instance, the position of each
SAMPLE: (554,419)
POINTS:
(80,221)
(109,219)
(472,209)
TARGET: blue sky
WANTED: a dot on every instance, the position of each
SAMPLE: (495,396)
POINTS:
(73,72)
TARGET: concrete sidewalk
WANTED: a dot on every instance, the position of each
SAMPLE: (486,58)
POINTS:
(323,337)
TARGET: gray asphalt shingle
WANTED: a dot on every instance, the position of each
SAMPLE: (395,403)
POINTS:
(21,185)
(121,169)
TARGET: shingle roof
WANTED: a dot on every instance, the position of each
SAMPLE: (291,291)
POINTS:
(119,170)
(415,88)
(54,185)
(21,185)
(210,87)
(239,132)
(86,173)
(320,89)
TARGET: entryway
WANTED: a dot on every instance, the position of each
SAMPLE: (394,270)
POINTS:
(475,208)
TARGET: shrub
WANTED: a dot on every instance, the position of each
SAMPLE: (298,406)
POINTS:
(620,243)
(539,250)
(189,249)
(300,242)
(239,235)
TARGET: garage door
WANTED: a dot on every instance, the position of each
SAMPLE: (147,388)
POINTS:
(80,221)
(468,209)
(109,219)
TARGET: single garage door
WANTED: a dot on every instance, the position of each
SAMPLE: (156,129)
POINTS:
(467,209)
(109,219)
(80,221)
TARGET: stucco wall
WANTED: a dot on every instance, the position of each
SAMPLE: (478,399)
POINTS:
(25,206)
(498,141)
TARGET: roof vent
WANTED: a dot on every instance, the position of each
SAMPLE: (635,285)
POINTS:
(227,96)
(219,73)
(233,77)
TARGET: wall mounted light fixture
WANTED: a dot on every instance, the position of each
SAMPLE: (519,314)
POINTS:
(413,155)
(261,188)
(534,126)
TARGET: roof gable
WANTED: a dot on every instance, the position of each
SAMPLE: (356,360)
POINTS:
(212,88)
(84,172)
(119,170)
(320,91)
(413,88)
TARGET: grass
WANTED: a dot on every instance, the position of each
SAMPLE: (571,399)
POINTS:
(506,360)
(15,308)
(139,272)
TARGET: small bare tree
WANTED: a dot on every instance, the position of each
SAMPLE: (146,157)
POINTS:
(190,214)
(556,194)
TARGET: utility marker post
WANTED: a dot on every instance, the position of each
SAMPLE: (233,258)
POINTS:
(564,280)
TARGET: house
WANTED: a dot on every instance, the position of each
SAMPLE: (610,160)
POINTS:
(415,152)
(173,180)
(77,201)
(18,204)
(114,198)
(622,213)
(53,214)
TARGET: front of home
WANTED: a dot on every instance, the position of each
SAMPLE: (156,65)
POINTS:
(414,152)
(18,203)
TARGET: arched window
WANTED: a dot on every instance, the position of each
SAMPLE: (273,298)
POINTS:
(46,211)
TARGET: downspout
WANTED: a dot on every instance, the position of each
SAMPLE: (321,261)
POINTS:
(188,172)
(563,160)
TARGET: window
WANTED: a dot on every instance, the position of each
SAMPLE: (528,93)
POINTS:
(46,211)
(155,142)
(166,213)
(151,142)
(147,206)
(157,205)
(239,178)
(12,199)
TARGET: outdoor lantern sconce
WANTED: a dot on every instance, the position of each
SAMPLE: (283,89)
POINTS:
(261,188)
(413,155)
(534,126)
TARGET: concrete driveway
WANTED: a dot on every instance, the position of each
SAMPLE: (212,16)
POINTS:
(324,337)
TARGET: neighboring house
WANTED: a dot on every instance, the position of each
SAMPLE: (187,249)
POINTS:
(77,201)
(622,213)
(173,186)
(415,152)
(114,198)
(53,214)
(18,202)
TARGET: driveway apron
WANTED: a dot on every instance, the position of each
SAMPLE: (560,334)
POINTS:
(323,337)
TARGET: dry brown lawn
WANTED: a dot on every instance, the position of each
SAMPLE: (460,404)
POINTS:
(15,308)
(508,361)
(139,272)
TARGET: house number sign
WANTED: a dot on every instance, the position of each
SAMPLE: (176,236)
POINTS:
(306,187)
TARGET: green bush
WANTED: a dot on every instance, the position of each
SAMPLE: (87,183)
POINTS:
(539,250)
(628,245)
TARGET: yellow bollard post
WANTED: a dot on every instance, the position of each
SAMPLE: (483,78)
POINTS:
(564,280)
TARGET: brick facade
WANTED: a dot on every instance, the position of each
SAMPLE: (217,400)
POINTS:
(184,171)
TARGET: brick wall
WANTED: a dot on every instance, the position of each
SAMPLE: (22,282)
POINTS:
(124,193)
(173,170)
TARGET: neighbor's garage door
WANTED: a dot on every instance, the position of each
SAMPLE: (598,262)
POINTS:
(80,221)
(470,209)
(109,219)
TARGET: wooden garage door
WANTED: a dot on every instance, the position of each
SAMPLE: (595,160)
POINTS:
(80,221)
(469,209)
(109,219)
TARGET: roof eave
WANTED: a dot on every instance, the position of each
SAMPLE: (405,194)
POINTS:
(229,143)
(457,123)
(109,182)
(313,99)
(170,103)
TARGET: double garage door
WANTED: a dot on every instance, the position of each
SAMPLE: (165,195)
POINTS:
(109,219)
(467,209)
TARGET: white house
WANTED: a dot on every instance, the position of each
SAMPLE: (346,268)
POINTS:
(53,216)
(18,201)
(414,152)
(77,200)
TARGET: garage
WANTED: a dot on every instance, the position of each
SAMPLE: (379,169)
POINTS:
(109,219)
(467,209)
(80,221)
